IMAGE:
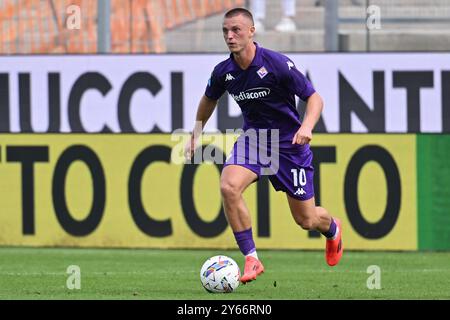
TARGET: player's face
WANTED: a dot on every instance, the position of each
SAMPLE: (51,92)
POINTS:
(238,32)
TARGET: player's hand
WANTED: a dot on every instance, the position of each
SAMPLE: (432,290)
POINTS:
(302,136)
(189,148)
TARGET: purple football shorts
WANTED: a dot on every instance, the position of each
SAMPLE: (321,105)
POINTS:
(289,169)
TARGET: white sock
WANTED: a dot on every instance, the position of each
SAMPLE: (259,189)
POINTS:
(253,254)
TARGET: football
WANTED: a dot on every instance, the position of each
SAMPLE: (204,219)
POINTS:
(220,274)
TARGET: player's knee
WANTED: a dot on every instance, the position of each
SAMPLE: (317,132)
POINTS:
(306,224)
(229,189)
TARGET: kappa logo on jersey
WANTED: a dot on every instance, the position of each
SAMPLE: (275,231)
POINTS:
(262,72)
(300,192)
(228,77)
(290,64)
(250,94)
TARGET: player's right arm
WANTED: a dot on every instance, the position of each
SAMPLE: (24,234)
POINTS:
(208,102)
(205,109)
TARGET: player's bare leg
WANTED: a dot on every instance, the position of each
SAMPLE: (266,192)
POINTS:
(311,217)
(234,180)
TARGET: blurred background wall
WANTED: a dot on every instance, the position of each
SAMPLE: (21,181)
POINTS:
(144,26)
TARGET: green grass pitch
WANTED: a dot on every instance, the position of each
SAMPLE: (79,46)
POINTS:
(40,273)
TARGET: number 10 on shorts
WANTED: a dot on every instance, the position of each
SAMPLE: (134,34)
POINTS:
(299,177)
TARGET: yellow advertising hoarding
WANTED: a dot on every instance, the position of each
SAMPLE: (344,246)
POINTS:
(108,190)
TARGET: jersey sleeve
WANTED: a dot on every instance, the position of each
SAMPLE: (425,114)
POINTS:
(215,87)
(295,81)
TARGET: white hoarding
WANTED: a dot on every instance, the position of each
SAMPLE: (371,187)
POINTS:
(385,92)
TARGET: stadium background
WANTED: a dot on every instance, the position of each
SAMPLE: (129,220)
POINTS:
(88,110)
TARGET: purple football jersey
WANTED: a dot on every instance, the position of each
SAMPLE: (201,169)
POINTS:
(265,92)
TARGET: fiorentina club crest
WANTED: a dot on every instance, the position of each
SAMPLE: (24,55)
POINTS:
(262,72)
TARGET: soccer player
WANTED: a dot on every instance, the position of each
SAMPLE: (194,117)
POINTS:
(263,83)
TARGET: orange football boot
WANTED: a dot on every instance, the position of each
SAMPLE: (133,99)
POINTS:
(253,268)
(334,248)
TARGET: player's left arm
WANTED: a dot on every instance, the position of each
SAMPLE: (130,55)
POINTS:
(314,106)
(296,83)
